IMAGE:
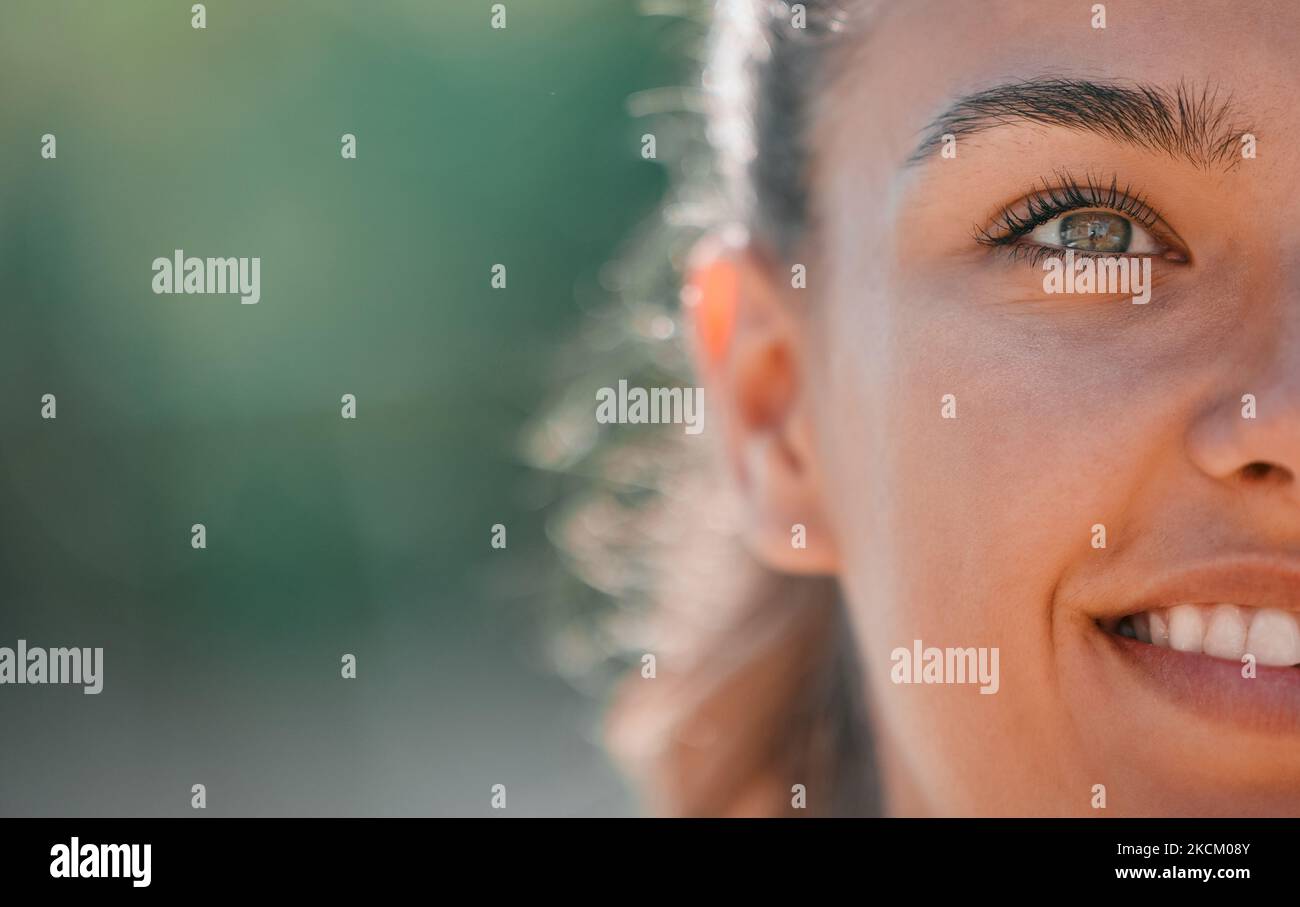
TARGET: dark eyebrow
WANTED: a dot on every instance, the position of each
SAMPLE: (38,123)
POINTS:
(1187,122)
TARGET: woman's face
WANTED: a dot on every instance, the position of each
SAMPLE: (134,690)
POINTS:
(1073,411)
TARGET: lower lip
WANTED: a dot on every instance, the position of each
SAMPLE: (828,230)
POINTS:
(1269,701)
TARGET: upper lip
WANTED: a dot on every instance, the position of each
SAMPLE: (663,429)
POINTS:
(1249,580)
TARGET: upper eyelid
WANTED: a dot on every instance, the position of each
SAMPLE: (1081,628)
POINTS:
(1065,194)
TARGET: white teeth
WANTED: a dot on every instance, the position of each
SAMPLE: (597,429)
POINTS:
(1274,638)
(1159,628)
(1226,636)
(1186,628)
(1223,631)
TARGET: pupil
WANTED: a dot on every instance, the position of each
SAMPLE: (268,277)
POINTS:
(1094,231)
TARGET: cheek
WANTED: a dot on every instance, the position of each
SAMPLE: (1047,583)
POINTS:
(971,451)
(967,473)
(975,445)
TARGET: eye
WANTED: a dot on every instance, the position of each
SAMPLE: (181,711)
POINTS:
(1088,216)
(1098,232)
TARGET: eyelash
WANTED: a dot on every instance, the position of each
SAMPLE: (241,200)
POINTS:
(1053,200)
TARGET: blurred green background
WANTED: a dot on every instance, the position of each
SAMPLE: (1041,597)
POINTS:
(325,536)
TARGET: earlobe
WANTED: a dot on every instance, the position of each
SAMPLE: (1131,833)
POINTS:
(750,351)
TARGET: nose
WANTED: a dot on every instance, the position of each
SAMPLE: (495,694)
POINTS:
(1253,442)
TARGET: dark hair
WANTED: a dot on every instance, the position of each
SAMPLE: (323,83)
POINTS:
(757,687)
(770,61)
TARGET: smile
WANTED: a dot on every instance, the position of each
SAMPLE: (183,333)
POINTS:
(1221,639)
(1233,632)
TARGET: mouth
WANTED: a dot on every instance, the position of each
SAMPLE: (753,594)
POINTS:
(1271,636)
(1222,640)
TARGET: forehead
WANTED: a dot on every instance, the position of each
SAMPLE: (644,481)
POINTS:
(910,60)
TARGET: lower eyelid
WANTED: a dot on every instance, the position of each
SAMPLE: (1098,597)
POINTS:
(1035,253)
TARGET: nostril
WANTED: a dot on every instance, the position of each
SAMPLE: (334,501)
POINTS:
(1260,471)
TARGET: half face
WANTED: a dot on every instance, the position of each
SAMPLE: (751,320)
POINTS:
(1105,488)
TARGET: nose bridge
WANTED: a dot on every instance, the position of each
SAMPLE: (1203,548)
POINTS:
(1270,417)
(1276,357)
(1272,435)
(1253,430)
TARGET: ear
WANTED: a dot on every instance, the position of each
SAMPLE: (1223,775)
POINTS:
(749,347)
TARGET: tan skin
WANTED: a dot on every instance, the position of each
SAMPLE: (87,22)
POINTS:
(1072,411)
